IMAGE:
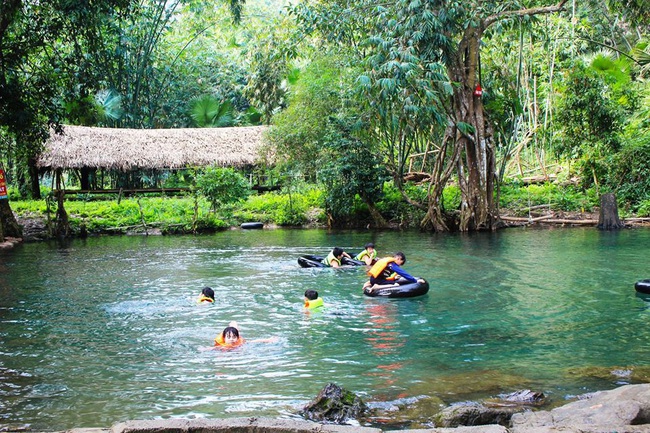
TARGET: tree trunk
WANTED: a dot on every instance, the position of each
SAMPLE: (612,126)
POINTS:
(476,166)
(62,224)
(35,186)
(440,175)
(608,217)
(377,217)
(8,221)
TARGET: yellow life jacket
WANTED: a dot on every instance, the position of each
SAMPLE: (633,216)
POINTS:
(379,267)
(204,298)
(365,253)
(329,258)
(314,303)
(220,342)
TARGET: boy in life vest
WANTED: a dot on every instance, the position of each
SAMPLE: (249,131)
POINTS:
(206,296)
(388,271)
(369,255)
(312,301)
(333,259)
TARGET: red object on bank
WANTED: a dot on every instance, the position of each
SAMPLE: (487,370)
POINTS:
(478,91)
(3,185)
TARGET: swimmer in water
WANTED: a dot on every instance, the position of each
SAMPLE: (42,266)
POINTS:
(207,295)
(312,301)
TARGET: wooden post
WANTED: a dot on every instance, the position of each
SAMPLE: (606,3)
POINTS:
(608,217)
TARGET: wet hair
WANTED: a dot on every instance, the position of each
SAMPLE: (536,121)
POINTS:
(230,330)
(337,251)
(311,294)
(401,256)
(208,292)
(370,245)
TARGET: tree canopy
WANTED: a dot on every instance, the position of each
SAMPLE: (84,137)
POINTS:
(460,93)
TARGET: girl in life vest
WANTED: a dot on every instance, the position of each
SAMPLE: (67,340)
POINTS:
(312,301)
(230,338)
(206,296)
(388,271)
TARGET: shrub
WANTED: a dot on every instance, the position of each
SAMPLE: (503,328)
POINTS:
(629,173)
(222,186)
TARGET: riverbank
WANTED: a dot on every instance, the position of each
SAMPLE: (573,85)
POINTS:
(35,228)
(622,410)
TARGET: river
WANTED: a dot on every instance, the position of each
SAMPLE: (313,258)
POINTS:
(107,329)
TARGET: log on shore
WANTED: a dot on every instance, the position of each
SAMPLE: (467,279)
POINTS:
(548,219)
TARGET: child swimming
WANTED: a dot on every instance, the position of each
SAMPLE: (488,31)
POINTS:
(230,338)
(207,295)
(312,301)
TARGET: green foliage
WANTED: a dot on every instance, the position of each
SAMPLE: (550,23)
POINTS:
(644,209)
(349,168)
(287,209)
(591,119)
(222,186)
(320,93)
(269,68)
(629,172)
(208,111)
(589,116)
(521,198)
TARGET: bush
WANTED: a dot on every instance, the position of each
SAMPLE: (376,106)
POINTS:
(515,196)
(222,186)
(629,173)
(283,209)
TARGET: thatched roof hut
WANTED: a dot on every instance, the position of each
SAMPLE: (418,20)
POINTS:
(129,149)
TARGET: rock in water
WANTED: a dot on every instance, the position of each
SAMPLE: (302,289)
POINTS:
(334,405)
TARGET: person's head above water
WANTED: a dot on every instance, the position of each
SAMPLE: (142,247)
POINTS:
(208,292)
(230,335)
(311,294)
(337,252)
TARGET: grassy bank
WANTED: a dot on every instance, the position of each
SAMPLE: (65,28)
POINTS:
(303,206)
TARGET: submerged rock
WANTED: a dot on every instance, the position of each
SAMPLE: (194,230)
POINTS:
(335,405)
(619,375)
(474,414)
(524,397)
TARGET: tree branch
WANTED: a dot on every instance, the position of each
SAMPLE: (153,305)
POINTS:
(523,12)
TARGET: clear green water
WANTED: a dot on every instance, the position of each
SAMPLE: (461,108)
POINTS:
(103,330)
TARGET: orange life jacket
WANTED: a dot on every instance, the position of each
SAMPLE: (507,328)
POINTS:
(204,298)
(380,266)
(220,342)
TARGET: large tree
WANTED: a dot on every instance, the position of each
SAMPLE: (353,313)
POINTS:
(44,50)
(409,42)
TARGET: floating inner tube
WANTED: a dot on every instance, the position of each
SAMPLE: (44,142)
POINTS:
(256,225)
(398,290)
(312,261)
(643,286)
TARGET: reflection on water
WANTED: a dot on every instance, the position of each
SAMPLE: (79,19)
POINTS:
(108,329)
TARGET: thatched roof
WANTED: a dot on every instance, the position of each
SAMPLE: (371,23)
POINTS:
(126,149)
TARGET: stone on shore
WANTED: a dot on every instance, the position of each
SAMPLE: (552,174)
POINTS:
(602,411)
(334,404)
